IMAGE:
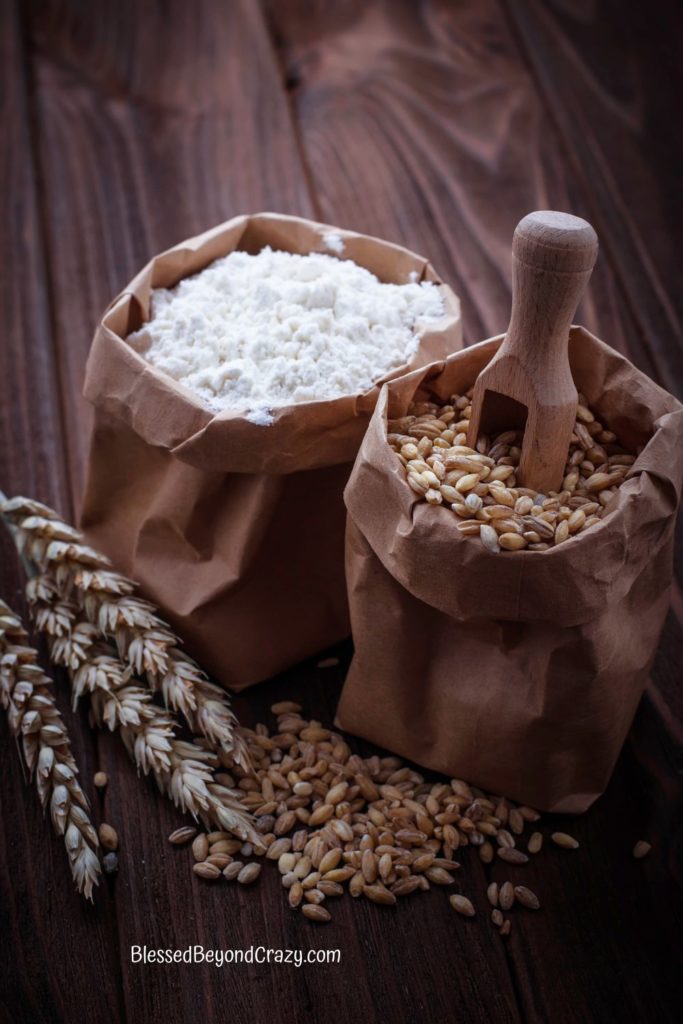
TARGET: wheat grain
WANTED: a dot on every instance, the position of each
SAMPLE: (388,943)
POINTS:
(209,872)
(182,835)
(480,485)
(439,876)
(200,847)
(527,898)
(316,913)
(512,856)
(296,895)
(110,863)
(404,886)
(641,849)
(232,871)
(376,811)
(535,842)
(378,893)
(506,896)
(565,841)
(371,826)
(516,821)
(26,695)
(108,837)
(249,873)
(330,888)
(462,905)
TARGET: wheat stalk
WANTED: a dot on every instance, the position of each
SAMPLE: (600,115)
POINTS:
(183,771)
(26,694)
(85,581)
(102,657)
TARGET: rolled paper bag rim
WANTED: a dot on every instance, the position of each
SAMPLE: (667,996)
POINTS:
(421,547)
(303,435)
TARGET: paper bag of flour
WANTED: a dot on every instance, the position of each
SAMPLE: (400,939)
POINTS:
(235,529)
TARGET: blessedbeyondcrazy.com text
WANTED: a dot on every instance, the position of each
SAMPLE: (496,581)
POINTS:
(198,954)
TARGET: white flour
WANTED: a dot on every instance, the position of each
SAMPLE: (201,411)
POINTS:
(251,333)
(334,242)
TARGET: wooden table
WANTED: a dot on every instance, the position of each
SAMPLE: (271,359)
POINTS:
(438,125)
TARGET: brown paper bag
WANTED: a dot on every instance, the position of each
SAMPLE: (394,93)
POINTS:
(519,672)
(235,530)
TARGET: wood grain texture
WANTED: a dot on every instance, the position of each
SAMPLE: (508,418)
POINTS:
(608,915)
(436,125)
(36,892)
(423,123)
(623,63)
(31,459)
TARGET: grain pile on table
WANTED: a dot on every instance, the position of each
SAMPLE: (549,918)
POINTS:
(334,822)
(250,333)
(480,486)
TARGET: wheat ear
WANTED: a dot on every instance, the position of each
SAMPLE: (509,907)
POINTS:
(26,694)
(184,771)
(108,600)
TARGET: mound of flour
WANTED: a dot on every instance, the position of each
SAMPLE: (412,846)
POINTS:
(250,333)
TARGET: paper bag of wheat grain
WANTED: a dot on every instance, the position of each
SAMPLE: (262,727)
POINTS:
(519,671)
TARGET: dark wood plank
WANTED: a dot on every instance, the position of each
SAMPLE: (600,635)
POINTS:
(31,459)
(606,946)
(611,75)
(48,969)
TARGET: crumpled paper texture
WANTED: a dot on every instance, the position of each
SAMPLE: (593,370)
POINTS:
(235,530)
(519,672)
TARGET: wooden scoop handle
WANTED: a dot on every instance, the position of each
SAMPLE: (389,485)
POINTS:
(552,258)
(553,255)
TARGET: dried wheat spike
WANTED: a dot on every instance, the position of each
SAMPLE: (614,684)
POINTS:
(26,694)
(183,771)
(85,581)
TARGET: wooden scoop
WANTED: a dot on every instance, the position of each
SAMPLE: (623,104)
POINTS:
(528,384)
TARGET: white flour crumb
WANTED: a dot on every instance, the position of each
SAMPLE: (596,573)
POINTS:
(413,276)
(334,242)
(251,333)
(262,417)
